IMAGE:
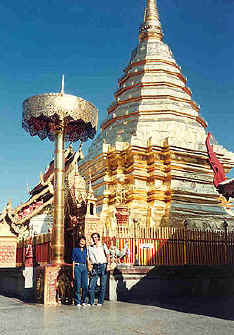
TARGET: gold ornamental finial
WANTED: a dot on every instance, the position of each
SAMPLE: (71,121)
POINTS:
(151,28)
(90,190)
(27,188)
(90,178)
(151,12)
(62,85)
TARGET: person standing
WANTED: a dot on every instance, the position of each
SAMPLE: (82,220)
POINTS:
(80,272)
(99,257)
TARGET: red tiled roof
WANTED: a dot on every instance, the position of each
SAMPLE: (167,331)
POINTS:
(39,187)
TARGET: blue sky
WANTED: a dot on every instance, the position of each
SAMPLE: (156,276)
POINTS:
(90,42)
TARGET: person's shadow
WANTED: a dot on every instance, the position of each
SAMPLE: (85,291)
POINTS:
(122,291)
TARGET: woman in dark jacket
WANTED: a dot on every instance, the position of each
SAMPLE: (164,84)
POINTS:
(80,272)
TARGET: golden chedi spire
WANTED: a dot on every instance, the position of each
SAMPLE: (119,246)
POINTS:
(154,136)
(151,27)
(152,90)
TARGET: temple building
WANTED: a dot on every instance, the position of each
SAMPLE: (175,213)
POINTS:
(148,166)
(152,169)
(35,216)
(150,156)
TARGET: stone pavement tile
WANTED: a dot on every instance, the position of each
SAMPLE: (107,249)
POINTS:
(6,301)
(114,318)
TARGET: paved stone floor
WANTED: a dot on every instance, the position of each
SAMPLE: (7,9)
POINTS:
(116,318)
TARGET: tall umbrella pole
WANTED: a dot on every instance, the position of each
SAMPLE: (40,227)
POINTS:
(58,225)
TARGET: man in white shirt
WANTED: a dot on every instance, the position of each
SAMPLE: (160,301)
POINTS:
(99,257)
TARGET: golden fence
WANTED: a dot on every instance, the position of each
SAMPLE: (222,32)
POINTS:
(171,246)
(153,246)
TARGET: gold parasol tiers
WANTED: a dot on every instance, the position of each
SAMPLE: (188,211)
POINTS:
(44,113)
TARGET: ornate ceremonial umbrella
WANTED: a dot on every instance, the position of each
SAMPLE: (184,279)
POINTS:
(59,117)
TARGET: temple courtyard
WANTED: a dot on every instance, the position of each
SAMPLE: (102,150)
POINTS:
(192,316)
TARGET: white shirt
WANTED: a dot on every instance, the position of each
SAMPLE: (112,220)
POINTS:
(97,254)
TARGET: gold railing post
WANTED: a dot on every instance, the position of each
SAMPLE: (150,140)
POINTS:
(185,242)
(225,225)
(58,223)
(135,242)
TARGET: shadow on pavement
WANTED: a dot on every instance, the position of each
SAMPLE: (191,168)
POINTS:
(195,295)
(27,296)
(209,306)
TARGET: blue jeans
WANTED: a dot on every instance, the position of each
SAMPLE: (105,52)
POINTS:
(100,270)
(81,281)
